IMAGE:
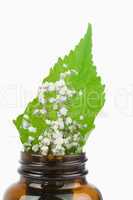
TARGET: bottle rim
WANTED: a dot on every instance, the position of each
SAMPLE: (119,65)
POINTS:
(51,168)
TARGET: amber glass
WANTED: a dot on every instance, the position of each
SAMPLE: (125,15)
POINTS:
(52,178)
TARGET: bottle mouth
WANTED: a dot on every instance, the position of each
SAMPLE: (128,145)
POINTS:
(51,168)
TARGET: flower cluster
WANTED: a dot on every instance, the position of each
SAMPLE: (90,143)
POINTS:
(58,139)
(62,135)
(62,91)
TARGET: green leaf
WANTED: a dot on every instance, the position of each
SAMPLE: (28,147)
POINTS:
(86,81)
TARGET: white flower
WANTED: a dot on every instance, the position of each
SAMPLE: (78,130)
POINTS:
(74,92)
(41,99)
(25,124)
(54,125)
(68,120)
(32,129)
(79,125)
(51,87)
(55,106)
(59,84)
(58,114)
(58,150)
(59,141)
(85,126)
(46,141)
(62,75)
(62,91)
(40,137)
(70,93)
(69,146)
(71,128)
(67,140)
(27,144)
(80,93)
(30,139)
(44,150)
(57,134)
(60,123)
(81,117)
(74,144)
(65,65)
(27,147)
(52,100)
(74,122)
(48,122)
(35,147)
(63,111)
(43,111)
(74,71)
(36,111)
(68,73)
(26,116)
(63,99)
(76,138)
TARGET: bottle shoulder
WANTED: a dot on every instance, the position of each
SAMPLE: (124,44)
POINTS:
(22,190)
(87,192)
(15,191)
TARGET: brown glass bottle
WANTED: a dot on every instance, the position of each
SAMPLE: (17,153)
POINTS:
(52,178)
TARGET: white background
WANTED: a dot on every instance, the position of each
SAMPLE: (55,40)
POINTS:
(32,35)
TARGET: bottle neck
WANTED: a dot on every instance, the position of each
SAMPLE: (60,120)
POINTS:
(39,169)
